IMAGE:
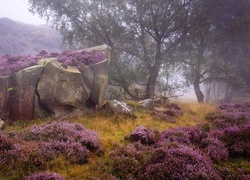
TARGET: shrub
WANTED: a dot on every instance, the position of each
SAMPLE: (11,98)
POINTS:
(230,115)
(65,132)
(175,161)
(69,139)
(126,161)
(183,135)
(172,111)
(144,135)
(44,176)
(6,143)
(10,64)
(237,139)
(216,149)
(25,155)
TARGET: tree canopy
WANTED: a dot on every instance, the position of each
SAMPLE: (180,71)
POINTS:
(148,35)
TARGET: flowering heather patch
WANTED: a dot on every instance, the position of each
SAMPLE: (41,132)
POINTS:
(216,149)
(44,176)
(41,144)
(230,114)
(80,59)
(177,161)
(65,132)
(237,138)
(126,161)
(144,135)
(169,114)
(62,138)
(6,143)
(25,155)
(182,135)
(10,64)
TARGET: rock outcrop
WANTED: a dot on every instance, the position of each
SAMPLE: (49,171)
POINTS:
(50,88)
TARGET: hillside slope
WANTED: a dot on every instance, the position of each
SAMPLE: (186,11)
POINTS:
(17,38)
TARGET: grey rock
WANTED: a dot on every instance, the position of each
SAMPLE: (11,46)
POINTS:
(2,124)
(120,107)
(26,81)
(5,92)
(61,90)
(147,104)
(100,82)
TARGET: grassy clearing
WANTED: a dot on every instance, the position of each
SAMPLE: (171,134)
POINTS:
(112,129)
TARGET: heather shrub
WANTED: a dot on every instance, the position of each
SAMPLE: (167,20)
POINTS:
(44,176)
(71,140)
(6,143)
(183,135)
(10,64)
(172,111)
(126,161)
(215,148)
(65,132)
(25,156)
(237,139)
(230,115)
(176,161)
(180,135)
(230,173)
(80,59)
(144,135)
(163,115)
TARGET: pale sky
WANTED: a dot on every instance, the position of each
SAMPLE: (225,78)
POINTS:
(18,10)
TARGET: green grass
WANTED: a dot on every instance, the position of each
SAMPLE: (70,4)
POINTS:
(112,129)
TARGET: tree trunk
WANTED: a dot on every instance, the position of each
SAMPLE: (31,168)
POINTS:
(197,90)
(208,92)
(228,94)
(150,88)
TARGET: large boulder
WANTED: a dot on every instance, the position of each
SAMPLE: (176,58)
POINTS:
(51,88)
(5,90)
(24,92)
(100,82)
(61,90)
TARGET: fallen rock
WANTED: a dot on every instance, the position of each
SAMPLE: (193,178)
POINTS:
(147,104)
(120,107)
(2,124)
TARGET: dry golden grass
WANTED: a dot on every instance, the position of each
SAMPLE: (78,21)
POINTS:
(113,128)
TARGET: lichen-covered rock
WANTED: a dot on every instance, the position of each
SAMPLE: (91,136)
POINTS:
(2,124)
(5,88)
(120,107)
(56,88)
(147,104)
(100,82)
(24,92)
(61,90)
